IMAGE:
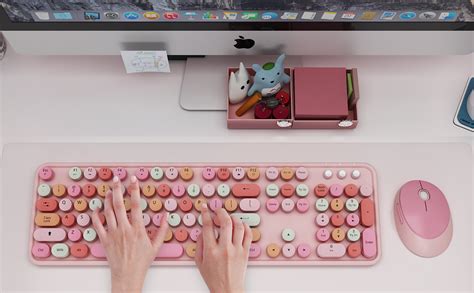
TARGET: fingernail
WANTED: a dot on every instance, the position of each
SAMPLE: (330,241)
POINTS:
(204,205)
(134,179)
(116,179)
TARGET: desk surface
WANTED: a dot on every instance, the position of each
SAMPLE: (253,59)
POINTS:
(398,269)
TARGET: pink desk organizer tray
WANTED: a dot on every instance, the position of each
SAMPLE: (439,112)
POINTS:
(248,121)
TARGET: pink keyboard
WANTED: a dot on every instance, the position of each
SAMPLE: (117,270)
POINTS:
(300,214)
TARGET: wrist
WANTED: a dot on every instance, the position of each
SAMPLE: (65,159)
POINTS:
(126,284)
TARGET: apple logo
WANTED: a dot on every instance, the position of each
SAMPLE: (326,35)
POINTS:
(243,43)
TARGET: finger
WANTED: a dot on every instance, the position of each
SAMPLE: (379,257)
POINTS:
(119,207)
(109,212)
(208,236)
(160,236)
(136,211)
(225,235)
(247,237)
(238,231)
(198,255)
(99,228)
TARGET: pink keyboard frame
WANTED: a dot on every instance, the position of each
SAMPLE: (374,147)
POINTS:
(368,176)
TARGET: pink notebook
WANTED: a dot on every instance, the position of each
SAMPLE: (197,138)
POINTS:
(320,93)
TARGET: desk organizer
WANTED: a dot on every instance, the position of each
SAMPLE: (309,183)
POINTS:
(248,121)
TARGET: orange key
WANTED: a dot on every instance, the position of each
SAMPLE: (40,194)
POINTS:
(253,173)
(169,235)
(338,234)
(79,250)
(367,212)
(321,190)
(46,204)
(287,173)
(149,190)
(246,190)
(273,250)
(127,203)
(256,235)
(198,203)
(59,190)
(185,204)
(68,220)
(191,250)
(155,205)
(164,190)
(287,190)
(102,189)
(80,205)
(89,190)
(351,190)
(105,173)
(181,234)
(186,173)
(337,220)
(337,204)
(353,250)
(47,219)
(230,205)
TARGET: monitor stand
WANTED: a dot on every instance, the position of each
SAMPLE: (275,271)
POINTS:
(205,82)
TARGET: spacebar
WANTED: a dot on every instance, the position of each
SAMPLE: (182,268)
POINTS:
(170,250)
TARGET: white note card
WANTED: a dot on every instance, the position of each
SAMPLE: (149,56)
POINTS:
(145,61)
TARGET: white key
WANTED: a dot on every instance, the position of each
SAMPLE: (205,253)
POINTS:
(322,205)
(174,220)
(83,220)
(353,234)
(272,190)
(156,173)
(95,203)
(302,190)
(352,204)
(60,250)
(327,174)
(238,173)
(90,173)
(189,220)
(193,190)
(272,173)
(172,173)
(288,250)
(65,204)
(143,204)
(146,219)
(341,174)
(89,235)
(75,173)
(287,205)
(301,173)
(355,174)
(322,220)
(208,190)
(171,205)
(223,190)
(44,190)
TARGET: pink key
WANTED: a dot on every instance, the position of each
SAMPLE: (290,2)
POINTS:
(322,235)
(215,204)
(301,173)
(146,219)
(272,173)
(189,220)
(366,190)
(49,235)
(238,173)
(254,251)
(249,205)
(288,250)
(46,173)
(179,190)
(336,190)
(208,190)
(170,250)
(120,172)
(97,250)
(74,235)
(322,220)
(272,205)
(41,250)
(195,234)
(208,173)
(65,204)
(74,190)
(83,220)
(352,220)
(172,173)
(287,205)
(157,219)
(90,173)
(171,205)
(304,250)
(369,243)
(302,205)
(142,173)
(331,250)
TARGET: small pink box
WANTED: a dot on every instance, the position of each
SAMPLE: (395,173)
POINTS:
(248,121)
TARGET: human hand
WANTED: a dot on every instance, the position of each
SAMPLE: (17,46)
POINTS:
(128,248)
(223,262)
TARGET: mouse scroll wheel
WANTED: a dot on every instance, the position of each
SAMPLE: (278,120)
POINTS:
(424,194)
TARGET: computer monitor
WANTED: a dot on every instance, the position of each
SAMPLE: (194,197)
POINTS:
(238,27)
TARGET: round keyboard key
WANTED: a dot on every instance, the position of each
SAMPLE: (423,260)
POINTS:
(146,219)
(79,250)
(171,205)
(102,189)
(337,205)
(351,190)
(198,203)
(301,174)
(46,173)
(186,173)
(322,220)
(194,190)
(208,174)
(74,235)
(156,219)
(189,220)
(59,190)
(352,205)
(355,174)
(105,174)
(208,190)
(74,190)
(185,204)
(253,173)
(288,250)
(327,174)
(40,250)
(120,172)
(223,190)
(143,204)
(337,220)
(288,234)
(352,220)
(341,174)
(68,220)
(148,190)
(272,190)
(256,235)
(303,250)
(75,173)
(80,205)
(195,234)
(169,235)
(191,250)
(366,190)
(238,173)
(142,173)
(95,203)
(287,205)
(90,173)
(322,235)
(127,203)
(302,190)
(171,173)
(83,220)
(47,204)
(89,235)
(322,205)
(89,190)
(230,205)
(254,250)
(272,173)
(174,220)
(321,190)
(223,174)
(338,234)
(181,234)
(273,250)
(353,234)
(287,173)
(163,190)
(354,250)
(302,205)
(179,190)
(155,205)
(60,250)
(287,190)
(215,204)
(272,205)
(44,190)
(336,190)
(156,173)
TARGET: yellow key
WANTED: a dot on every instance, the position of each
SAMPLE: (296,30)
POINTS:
(155,205)
(287,174)
(148,190)
(273,250)
(253,173)
(169,235)
(102,189)
(191,249)
(127,203)
(186,173)
(337,204)
(230,205)
(59,190)
(81,205)
(256,235)
(198,203)
(47,219)
(338,234)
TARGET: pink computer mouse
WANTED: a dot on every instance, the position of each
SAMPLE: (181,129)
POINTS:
(423,218)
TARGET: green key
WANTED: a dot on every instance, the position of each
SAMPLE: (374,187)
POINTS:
(194,190)
(353,234)
(322,205)
(75,173)
(251,219)
(302,190)
(272,190)
(288,234)
(44,190)
(60,250)
(89,235)
(156,173)
(174,220)
(223,190)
